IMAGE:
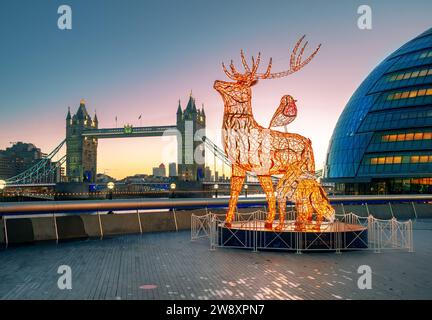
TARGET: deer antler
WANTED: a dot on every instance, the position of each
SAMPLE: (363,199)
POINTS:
(250,74)
(296,62)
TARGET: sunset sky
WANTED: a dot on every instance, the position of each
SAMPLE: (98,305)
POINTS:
(127,58)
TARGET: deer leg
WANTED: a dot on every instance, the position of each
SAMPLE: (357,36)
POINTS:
(303,209)
(286,188)
(237,180)
(267,185)
(321,205)
(282,214)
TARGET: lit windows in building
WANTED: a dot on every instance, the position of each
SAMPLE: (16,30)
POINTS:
(426,54)
(407,136)
(426,181)
(410,94)
(385,130)
(401,159)
(409,75)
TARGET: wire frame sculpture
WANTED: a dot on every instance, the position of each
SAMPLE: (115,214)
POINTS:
(264,151)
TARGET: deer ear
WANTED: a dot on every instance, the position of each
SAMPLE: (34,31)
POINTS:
(254,83)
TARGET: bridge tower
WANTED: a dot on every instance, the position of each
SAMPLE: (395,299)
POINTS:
(189,121)
(81,152)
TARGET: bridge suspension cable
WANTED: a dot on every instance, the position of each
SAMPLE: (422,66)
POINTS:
(42,171)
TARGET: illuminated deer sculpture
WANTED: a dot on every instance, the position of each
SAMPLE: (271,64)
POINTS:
(266,152)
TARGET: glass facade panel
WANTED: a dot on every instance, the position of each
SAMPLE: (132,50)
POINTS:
(383,138)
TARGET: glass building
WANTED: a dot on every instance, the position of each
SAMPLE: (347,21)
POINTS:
(382,142)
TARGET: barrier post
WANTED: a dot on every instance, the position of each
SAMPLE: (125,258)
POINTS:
(212,234)
(410,236)
(5,232)
(298,242)
(414,208)
(367,209)
(378,237)
(192,227)
(393,232)
(338,237)
(175,219)
(391,209)
(139,221)
(55,227)
(100,226)
(255,231)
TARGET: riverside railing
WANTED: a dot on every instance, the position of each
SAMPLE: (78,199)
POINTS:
(80,206)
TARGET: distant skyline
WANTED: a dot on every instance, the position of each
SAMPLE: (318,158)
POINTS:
(128,58)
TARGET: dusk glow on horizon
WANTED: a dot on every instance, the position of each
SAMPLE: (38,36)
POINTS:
(132,58)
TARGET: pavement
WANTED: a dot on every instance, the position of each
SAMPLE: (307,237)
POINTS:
(170,266)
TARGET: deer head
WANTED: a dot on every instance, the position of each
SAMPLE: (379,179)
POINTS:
(239,91)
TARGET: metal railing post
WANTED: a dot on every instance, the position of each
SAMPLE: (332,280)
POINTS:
(55,227)
(139,221)
(410,236)
(255,231)
(213,230)
(5,231)
(175,219)
(391,209)
(414,208)
(100,226)
(298,242)
(338,238)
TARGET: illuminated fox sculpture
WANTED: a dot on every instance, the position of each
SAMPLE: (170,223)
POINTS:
(266,152)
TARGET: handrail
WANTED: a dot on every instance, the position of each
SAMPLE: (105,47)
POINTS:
(37,207)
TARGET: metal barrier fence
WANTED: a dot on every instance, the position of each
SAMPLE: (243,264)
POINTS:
(200,226)
(348,232)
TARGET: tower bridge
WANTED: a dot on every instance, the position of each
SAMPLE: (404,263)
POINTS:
(83,132)
(129,132)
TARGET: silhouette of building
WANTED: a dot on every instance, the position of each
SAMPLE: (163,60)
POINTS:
(189,122)
(81,151)
(18,158)
(172,169)
(207,174)
(159,171)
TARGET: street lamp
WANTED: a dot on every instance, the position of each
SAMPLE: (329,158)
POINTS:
(2,186)
(216,187)
(246,187)
(110,186)
(173,186)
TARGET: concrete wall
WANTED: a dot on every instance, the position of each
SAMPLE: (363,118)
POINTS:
(91,225)
(120,223)
(424,210)
(2,234)
(43,228)
(24,230)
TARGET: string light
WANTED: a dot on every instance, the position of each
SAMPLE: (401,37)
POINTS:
(266,152)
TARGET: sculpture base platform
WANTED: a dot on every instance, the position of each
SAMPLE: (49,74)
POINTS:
(330,236)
